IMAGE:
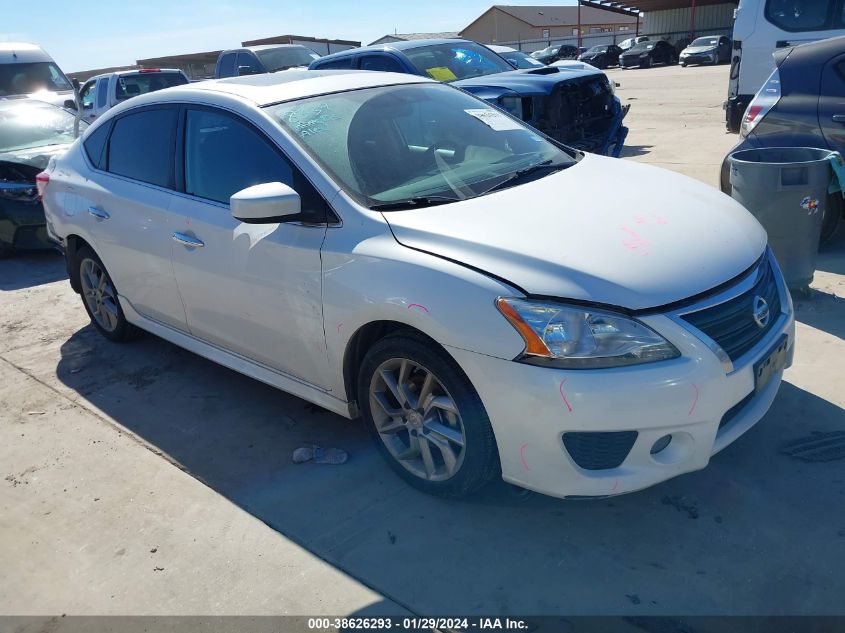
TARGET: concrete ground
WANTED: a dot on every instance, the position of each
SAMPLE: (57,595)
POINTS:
(142,479)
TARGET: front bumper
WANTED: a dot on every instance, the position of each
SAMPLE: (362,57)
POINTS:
(22,226)
(692,398)
(705,58)
(631,62)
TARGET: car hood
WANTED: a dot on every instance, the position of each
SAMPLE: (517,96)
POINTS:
(532,81)
(634,53)
(693,50)
(652,238)
(32,160)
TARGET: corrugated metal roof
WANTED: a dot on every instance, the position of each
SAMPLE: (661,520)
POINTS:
(407,37)
(548,16)
(644,6)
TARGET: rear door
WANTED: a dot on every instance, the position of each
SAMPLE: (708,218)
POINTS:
(253,289)
(130,217)
(832,103)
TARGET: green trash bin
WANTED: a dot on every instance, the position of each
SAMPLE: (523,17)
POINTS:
(785,189)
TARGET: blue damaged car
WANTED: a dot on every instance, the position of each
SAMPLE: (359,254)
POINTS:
(573,105)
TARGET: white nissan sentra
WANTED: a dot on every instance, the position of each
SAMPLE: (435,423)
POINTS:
(491,303)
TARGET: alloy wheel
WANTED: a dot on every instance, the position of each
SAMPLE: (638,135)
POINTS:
(417,419)
(99,294)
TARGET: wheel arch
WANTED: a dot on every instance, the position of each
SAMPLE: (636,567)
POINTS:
(73,243)
(360,343)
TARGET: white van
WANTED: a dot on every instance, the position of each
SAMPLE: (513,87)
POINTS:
(761,27)
(25,69)
(102,92)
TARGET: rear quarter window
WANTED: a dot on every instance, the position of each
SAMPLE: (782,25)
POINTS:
(95,145)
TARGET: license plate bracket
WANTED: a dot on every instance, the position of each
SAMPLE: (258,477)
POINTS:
(771,363)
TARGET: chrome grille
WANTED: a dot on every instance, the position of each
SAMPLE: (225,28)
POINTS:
(731,324)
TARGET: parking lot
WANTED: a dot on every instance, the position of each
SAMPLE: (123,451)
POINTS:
(143,479)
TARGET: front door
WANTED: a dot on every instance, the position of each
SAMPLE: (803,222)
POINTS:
(253,289)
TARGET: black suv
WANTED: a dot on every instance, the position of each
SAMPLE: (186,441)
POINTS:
(255,60)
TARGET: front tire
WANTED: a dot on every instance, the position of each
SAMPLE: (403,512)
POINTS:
(646,63)
(100,298)
(425,417)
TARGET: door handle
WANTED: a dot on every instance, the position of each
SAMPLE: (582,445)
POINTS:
(187,240)
(838,118)
(98,213)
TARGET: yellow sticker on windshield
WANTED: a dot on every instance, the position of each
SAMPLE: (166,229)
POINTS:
(441,73)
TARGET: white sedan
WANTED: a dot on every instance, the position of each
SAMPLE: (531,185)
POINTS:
(385,246)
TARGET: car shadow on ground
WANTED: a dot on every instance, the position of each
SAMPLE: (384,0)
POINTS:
(823,311)
(31,268)
(831,256)
(707,542)
(629,151)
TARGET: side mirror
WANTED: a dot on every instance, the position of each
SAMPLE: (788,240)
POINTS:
(246,70)
(266,203)
(70,104)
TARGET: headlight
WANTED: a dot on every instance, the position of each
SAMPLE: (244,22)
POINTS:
(573,337)
(512,105)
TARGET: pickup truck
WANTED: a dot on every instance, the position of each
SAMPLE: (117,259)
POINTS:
(105,91)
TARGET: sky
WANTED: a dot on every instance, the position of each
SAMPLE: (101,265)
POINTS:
(100,34)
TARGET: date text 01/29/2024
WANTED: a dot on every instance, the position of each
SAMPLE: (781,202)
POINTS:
(417,624)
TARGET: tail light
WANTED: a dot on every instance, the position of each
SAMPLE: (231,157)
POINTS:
(42,179)
(762,102)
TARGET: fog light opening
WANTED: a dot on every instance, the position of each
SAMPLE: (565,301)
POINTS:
(661,444)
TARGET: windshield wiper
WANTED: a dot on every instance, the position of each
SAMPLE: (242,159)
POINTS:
(527,171)
(412,203)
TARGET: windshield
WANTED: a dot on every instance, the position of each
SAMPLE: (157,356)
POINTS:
(142,83)
(706,41)
(521,60)
(35,124)
(286,57)
(402,143)
(22,79)
(459,60)
(598,49)
(546,52)
(643,46)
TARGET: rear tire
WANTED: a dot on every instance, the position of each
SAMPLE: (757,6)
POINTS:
(100,297)
(425,417)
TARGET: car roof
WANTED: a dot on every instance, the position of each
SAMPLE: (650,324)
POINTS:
(268,88)
(395,46)
(12,52)
(263,47)
(137,71)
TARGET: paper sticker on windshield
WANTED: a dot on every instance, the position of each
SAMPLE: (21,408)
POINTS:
(494,119)
(441,73)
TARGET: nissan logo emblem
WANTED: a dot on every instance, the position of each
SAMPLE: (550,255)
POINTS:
(761,311)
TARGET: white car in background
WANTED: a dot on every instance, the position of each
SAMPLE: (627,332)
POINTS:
(26,69)
(388,246)
(102,92)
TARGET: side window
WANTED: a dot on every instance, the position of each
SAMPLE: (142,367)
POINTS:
(224,155)
(227,65)
(86,95)
(380,62)
(95,144)
(799,15)
(102,92)
(342,63)
(142,146)
(246,60)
